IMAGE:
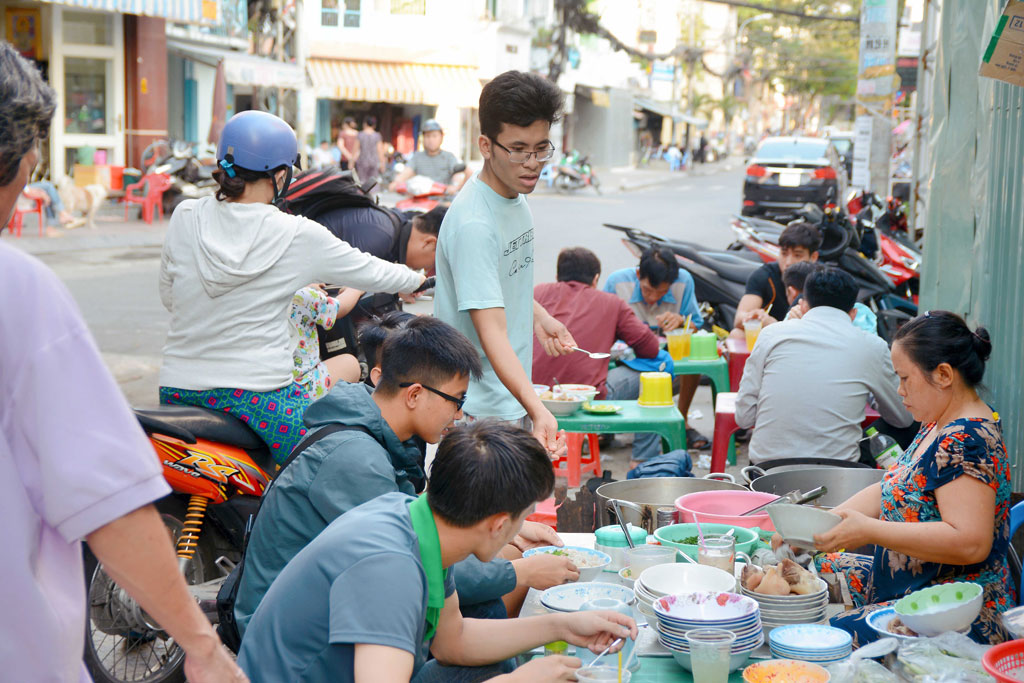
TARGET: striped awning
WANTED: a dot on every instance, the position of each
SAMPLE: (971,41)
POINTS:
(184,11)
(394,82)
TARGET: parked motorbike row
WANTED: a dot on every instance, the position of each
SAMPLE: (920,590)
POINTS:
(888,282)
(573,172)
(189,167)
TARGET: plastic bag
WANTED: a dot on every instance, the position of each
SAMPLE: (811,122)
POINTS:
(861,671)
(946,658)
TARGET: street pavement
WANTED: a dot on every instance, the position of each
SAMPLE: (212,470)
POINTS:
(112,270)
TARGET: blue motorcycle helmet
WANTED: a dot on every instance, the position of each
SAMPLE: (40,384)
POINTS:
(431,125)
(260,142)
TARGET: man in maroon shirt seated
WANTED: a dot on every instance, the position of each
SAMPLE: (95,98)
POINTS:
(596,319)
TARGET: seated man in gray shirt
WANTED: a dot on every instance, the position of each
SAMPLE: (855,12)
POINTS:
(371,595)
(425,371)
(433,162)
(807,381)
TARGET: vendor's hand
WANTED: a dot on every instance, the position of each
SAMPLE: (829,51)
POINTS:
(553,336)
(536,535)
(543,669)
(545,430)
(778,542)
(853,532)
(544,570)
(597,630)
(669,321)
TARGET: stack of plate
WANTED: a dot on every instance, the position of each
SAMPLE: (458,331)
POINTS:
(677,614)
(784,610)
(676,578)
(811,643)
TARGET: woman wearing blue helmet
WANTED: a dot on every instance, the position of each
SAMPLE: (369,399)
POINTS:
(229,269)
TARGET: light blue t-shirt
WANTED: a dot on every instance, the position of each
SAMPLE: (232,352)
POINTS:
(485,260)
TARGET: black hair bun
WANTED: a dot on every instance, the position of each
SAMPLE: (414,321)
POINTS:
(982,343)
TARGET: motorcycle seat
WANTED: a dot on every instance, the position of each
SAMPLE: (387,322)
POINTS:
(189,423)
(729,267)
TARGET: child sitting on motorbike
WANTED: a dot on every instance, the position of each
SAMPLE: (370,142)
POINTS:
(230,267)
(312,308)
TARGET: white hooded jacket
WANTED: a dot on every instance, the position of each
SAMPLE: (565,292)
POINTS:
(227,275)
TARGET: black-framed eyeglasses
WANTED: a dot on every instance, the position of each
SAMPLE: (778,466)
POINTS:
(521,157)
(448,397)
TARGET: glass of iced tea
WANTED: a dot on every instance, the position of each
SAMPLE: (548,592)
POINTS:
(718,552)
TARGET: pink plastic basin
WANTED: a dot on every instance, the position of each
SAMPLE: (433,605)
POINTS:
(724,507)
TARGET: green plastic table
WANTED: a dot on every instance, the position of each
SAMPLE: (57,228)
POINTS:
(665,421)
(718,372)
(665,670)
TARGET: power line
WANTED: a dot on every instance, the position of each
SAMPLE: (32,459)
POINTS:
(792,13)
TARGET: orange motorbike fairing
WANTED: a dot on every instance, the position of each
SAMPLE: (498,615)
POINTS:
(209,469)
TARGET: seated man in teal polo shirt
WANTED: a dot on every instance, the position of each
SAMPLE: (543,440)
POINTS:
(661,294)
(371,595)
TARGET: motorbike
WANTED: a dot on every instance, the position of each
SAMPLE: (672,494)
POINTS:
(424,194)
(575,173)
(217,469)
(720,277)
(190,171)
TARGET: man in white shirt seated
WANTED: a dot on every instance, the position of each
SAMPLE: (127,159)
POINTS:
(807,382)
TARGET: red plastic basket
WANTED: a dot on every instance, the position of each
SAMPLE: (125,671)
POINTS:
(1004,659)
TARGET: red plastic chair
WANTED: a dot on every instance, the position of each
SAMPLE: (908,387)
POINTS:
(149,193)
(27,205)
(572,465)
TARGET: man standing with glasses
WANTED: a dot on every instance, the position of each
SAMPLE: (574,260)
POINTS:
(485,255)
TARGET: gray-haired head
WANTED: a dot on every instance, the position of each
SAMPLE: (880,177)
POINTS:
(27,104)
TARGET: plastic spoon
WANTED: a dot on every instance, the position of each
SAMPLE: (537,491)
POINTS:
(597,356)
(593,662)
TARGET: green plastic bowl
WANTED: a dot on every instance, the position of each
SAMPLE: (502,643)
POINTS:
(941,608)
(672,535)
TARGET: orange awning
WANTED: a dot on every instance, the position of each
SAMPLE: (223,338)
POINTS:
(394,82)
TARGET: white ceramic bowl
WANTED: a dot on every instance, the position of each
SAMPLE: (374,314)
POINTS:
(562,408)
(541,388)
(626,577)
(673,579)
(597,560)
(569,597)
(584,391)
(736,658)
(799,524)
(791,601)
(937,609)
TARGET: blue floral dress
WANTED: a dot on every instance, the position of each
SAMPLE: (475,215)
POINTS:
(968,446)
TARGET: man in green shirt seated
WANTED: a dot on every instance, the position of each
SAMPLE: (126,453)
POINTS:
(371,595)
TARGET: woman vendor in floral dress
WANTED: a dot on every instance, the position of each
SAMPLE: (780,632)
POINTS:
(942,513)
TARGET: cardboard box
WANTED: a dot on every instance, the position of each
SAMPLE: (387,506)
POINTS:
(1004,58)
(92,175)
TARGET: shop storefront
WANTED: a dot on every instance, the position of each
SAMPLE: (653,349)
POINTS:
(80,48)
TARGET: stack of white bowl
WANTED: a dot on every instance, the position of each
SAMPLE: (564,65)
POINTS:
(784,610)
(675,578)
(811,643)
(738,614)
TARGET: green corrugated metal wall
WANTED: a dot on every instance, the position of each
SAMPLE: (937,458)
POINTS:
(974,240)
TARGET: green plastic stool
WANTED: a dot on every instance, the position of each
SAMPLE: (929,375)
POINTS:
(718,372)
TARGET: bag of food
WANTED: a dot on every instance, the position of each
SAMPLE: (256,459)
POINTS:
(946,658)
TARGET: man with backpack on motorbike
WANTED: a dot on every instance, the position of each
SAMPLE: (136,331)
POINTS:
(74,463)
(433,162)
(765,297)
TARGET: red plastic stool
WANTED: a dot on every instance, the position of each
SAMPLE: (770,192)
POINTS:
(571,465)
(546,513)
(725,427)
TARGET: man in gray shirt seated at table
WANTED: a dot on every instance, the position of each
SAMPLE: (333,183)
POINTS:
(435,163)
(807,382)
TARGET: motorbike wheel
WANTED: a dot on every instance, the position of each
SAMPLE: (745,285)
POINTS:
(122,643)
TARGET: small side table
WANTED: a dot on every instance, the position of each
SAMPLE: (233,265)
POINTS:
(716,370)
(666,421)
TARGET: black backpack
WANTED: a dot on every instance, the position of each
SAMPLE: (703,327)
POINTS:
(227,627)
(313,193)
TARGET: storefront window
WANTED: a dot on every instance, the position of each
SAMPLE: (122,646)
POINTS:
(87,28)
(85,96)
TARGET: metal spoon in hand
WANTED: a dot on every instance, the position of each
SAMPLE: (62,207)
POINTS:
(597,356)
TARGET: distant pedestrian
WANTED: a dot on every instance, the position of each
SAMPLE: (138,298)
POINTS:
(371,151)
(348,143)
(702,149)
(322,157)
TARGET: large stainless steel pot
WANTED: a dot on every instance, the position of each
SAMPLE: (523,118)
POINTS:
(641,498)
(841,482)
